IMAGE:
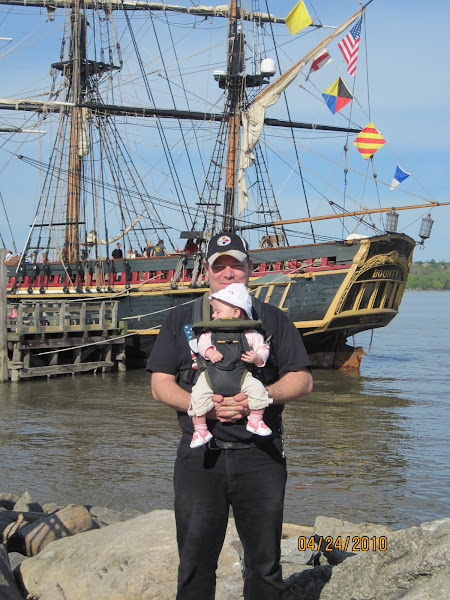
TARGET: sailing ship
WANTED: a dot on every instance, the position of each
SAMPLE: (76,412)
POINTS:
(185,138)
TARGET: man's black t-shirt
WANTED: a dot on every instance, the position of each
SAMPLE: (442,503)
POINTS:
(172,354)
(117,253)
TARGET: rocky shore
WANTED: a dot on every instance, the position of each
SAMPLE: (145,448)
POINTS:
(51,552)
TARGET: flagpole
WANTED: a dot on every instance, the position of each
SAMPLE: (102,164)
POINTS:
(342,215)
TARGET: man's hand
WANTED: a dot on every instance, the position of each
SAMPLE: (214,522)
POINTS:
(229,409)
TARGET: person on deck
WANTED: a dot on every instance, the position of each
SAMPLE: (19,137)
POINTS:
(236,468)
(117,252)
(160,249)
(149,252)
(191,247)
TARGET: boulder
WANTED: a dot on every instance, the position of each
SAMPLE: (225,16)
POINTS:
(26,504)
(292,559)
(8,500)
(308,584)
(107,516)
(8,587)
(103,517)
(34,537)
(135,559)
(4,524)
(51,507)
(415,566)
(326,526)
(291,529)
(338,540)
(129,513)
(15,559)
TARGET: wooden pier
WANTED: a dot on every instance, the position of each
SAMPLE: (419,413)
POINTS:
(49,338)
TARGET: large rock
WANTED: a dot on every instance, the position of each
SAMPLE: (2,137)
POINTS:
(4,524)
(103,517)
(51,507)
(291,529)
(8,588)
(415,566)
(308,584)
(8,500)
(15,559)
(292,559)
(26,504)
(132,560)
(338,540)
(326,526)
(34,537)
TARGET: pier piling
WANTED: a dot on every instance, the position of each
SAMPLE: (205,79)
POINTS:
(3,328)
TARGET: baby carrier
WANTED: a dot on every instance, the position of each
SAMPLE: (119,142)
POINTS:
(201,316)
(228,337)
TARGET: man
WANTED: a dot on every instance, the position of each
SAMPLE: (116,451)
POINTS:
(235,468)
(117,252)
(160,249)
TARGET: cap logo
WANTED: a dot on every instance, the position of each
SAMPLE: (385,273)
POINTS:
(224,240)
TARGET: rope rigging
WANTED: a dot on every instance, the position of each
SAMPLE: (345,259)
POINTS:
(178,187)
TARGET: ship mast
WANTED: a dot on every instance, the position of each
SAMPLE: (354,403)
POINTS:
(82,77)
(234,89)
(78,55)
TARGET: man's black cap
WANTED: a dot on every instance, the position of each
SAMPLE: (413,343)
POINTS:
(226,243)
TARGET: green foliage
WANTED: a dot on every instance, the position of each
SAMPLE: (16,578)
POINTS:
(429,275)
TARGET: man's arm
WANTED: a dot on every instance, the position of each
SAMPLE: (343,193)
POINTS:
(291,386)
(166,390)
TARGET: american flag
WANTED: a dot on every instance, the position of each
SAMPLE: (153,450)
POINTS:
(349,47)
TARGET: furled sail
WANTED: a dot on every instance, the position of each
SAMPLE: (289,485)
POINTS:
(253,117)
(221,10)
(92,239)
(85,140)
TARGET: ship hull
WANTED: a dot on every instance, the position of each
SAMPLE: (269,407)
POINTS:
(330,291)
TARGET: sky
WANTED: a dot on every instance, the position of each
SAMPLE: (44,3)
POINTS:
(407,50)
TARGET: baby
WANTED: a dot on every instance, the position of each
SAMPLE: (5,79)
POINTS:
(232,304)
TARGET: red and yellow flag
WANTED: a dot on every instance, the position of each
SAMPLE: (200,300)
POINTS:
(369,140)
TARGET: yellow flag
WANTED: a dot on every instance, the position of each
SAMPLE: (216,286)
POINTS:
(298,18)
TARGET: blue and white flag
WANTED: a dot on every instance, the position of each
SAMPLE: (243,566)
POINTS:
(400,175)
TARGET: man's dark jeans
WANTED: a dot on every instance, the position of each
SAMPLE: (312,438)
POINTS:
(206,482)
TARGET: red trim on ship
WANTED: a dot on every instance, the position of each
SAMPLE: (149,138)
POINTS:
(139,277)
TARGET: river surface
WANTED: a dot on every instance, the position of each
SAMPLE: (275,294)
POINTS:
(373,447)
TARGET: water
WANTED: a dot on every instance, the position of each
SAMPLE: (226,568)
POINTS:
(374,447)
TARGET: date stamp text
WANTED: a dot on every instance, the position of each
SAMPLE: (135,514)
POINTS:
(356,543)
